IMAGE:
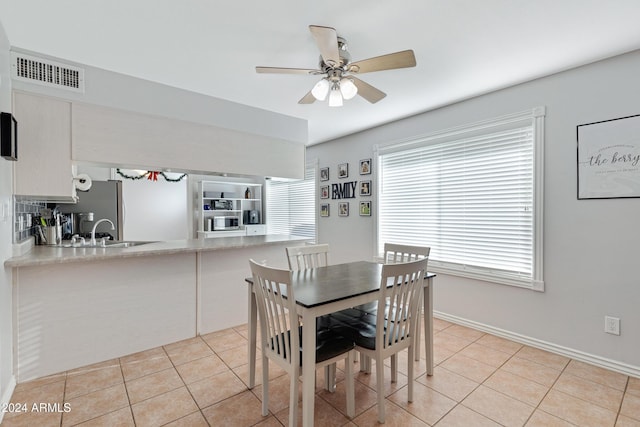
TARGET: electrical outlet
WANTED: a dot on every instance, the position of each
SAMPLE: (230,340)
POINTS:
(612,325)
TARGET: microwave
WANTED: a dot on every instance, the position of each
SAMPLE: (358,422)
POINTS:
(225,223)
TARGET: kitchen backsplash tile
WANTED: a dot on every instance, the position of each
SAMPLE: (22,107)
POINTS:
(24,210)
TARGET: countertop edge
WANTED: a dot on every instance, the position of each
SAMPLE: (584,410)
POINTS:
(46,255)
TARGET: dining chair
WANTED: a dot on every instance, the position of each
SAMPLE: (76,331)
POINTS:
(396,253)
(312,256)
(309,256)
(281,338)
(379,337)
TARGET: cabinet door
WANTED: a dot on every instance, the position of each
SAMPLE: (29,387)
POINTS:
(44,167)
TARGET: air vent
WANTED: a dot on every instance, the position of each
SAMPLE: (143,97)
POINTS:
(47,73)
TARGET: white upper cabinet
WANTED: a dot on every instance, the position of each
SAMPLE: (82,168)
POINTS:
(44,169)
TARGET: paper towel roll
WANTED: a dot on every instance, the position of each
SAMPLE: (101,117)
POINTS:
(82,182)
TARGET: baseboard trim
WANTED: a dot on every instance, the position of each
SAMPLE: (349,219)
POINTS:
(6,396)
(581,356)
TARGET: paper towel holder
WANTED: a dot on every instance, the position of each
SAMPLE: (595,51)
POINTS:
(82,182)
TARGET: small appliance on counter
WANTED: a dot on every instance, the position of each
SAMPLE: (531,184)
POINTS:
(251,217)
(225,223)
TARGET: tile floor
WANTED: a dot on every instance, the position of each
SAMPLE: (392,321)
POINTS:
(480,380)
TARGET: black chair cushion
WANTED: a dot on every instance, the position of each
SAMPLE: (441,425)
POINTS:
(329,344)
(361,327)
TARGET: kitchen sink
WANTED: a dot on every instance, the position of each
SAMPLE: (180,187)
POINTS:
(108,244)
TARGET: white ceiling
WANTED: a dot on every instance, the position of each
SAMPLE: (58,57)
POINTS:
(463,48)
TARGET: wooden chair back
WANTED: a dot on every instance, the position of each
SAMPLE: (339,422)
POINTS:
(309,256)
(395,253)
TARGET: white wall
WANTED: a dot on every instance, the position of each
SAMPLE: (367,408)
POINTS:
(6,189)
(590,246)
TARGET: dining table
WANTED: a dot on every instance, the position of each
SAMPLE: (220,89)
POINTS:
(324,290)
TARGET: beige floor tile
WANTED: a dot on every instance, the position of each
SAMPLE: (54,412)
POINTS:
(576,411)
(633,386)
(500,344)
(272,421)
(531,370)
(485,354)
(153,385)
(419,367)
(199,369)
(449,384)
(192,420)
(31,419)
(370,380)
(189,352)
(39,382)
(631,406)
(542,357)
(325,415)
(428,405)
(598,375)
(95,404)
(49,393)
(279,393)
(163,409)
(462,416)
(243,409)
(464,332)
(440,354)
(188,341)
(469,368)
(86,381)
(237,356)
(498,407)
(542,419)
(213,389)
(144,355)
(607,397)
(121,418)
(225,342)
(106,364)
(449,341)
(243,373)
(517,387)
(394,417)
(142,367)
(365,398)
(624,421)
(439,324)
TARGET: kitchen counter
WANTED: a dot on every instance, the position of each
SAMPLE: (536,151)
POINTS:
(45,255)
(74,307)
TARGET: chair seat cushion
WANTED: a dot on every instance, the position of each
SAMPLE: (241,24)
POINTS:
(329,344)
(361,327)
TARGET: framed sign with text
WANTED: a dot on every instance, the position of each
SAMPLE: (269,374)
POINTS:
(609,159)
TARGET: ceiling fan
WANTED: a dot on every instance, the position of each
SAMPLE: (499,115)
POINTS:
(335,64)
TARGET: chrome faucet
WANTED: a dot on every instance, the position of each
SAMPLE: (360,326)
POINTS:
(93,230)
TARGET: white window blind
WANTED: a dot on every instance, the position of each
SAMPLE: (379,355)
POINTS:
(470,196)
(291,206)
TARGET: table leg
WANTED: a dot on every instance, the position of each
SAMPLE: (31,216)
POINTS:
(417,342)
(308,368)
(253,322)
(428,324)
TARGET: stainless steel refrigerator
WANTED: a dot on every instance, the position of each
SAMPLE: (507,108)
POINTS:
(104,199)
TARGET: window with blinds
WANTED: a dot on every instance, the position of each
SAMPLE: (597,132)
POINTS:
(291,206)
(470,194)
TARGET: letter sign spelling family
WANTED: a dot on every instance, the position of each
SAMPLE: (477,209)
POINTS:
(345,190)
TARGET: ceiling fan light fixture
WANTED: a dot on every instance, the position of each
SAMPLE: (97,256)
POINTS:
(348,88)
(335,97)
(321,89)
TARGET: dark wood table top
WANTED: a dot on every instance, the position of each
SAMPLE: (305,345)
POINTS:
(324,285)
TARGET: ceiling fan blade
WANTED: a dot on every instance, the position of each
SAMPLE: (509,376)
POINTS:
(307,99)
(403,59)
(277,70)
(327,41)
(367,91)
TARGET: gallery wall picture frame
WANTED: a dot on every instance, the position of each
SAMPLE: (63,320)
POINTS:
(325,209)
(324,192)
(343,209)
(365,209)
(324,174)
(608,158)
(365,167)
(365,188)
(343,170)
